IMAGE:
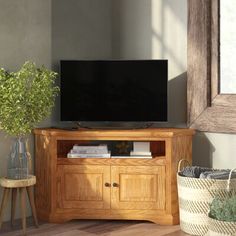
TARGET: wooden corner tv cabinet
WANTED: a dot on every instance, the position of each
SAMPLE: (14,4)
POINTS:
(109,188)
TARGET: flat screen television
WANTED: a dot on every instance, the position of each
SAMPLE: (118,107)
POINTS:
(114,90)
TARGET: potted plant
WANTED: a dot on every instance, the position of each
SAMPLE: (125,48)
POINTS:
(222,216)
(26,98)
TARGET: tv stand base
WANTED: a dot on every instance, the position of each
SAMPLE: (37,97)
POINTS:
(69,215)
(109,188)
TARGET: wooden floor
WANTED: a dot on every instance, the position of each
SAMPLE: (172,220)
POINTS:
(95,228)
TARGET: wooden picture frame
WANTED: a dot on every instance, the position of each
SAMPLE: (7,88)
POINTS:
(208,109)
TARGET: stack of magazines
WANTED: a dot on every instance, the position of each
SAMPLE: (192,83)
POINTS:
(140,154)
(95,151)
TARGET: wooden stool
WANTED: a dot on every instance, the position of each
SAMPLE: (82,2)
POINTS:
(22,185)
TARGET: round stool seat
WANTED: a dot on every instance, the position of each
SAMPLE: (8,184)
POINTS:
(17,183)
(12,186)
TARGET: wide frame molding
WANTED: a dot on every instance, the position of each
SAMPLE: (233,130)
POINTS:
(208,110)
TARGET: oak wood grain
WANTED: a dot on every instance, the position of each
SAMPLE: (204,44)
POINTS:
(133,134)
(83,188)
(113,161)
(141,187)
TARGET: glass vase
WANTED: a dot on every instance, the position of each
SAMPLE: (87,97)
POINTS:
(19,162)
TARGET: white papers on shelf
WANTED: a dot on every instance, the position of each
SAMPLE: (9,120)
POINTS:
(141,146)
(132,153)
(89,155)
(101,151)
(132,157)
(89,149)
(95,151)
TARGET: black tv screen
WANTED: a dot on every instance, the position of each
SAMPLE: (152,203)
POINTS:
(122,90)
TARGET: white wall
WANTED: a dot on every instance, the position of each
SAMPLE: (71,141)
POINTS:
(81,29)
(46,31)
(131,29)
(25,34)
(222,150)
(151,29)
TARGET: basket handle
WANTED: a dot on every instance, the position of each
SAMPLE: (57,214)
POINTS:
(182,161)
(229,180)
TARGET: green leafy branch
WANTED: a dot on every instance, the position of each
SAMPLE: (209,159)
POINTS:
(26,98)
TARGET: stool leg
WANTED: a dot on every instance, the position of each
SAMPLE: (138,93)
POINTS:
(23,210)
(4,203)
(31,199)
(13,205)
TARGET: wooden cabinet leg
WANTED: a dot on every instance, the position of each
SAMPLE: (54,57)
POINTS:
(13,205)
(31,199)
(4,203)
(23,209)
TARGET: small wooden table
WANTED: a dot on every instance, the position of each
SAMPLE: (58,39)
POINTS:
(23,185)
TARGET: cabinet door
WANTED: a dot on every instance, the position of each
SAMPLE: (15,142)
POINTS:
(138,187)
(83,187)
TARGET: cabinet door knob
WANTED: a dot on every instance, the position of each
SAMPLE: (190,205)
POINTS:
(107,185)
(115,185)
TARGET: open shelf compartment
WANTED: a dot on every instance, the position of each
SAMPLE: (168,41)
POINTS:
(117,148)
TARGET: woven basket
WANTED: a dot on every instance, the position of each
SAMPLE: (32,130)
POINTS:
(195,195)
(221,228)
